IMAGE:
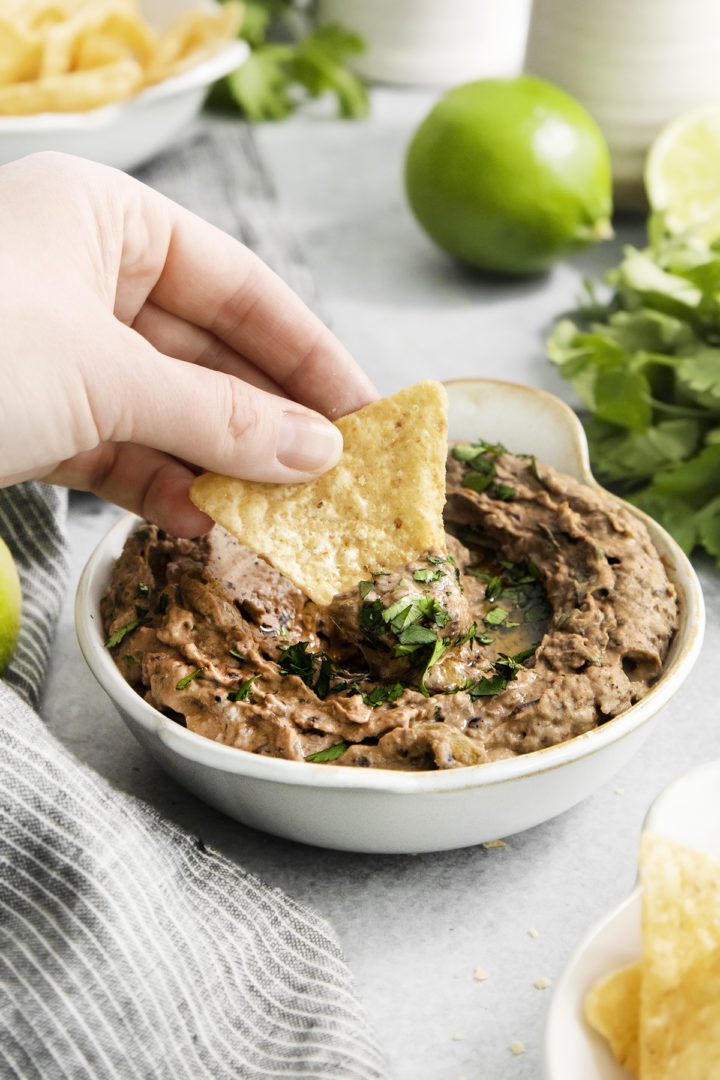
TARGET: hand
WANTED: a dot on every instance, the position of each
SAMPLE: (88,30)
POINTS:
(140,345)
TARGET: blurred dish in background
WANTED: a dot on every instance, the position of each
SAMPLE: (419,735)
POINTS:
(106,84)
(634,66)
(75,55)
(426,43)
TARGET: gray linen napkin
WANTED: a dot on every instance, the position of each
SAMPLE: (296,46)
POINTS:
(127,949)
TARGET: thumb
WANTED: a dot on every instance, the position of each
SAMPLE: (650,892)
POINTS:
(210,419)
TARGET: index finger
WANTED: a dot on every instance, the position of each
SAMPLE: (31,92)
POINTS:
(214,281)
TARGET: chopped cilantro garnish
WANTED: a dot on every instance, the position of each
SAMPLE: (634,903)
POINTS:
(381,694)
(187,679)
(244,690)
(478,481)
(471,635)
(143,589)
(331,753)
(371,619)
(496,616)
(510,665)
(437,560)
(365,587)
(295,660)
(236,655)
(494,588)
(438,650)
(481,469)
(488,686)
(122,631)
(161,606)
(398,617)
(327,670)
(428,575)
(317,670)
(414,638)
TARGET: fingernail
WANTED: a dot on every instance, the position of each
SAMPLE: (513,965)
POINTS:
(308,444)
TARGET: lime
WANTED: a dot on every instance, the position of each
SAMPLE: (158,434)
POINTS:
(510,174)
(10,602)
(682,173)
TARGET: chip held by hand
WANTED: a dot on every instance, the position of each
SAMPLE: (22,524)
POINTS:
(379,507)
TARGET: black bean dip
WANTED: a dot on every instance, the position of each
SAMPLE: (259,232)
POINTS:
(549,614)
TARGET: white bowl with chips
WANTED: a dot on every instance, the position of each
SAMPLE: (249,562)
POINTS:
(128,132)
(685,812)
(387,811)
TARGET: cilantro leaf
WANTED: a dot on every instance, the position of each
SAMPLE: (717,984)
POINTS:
(381,694)
(317,670)
(496,616)
(290,62)
(438,650)
(331,753)
(183,683)
(646,364)
(698,376)
(488,686)
(244,690)
(122,631)
(481,468)
(427,575)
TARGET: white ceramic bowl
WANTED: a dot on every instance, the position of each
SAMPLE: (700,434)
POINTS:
(687,811)
(127,133)
(374,810)
(423,43)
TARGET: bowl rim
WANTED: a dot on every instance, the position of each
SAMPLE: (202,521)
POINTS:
(226,59)
(232,760)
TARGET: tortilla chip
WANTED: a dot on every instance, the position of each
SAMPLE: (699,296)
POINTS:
(693,1010)
(681,929)
(379,507)
(612,1008)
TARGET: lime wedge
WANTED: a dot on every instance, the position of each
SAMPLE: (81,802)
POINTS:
(682,173)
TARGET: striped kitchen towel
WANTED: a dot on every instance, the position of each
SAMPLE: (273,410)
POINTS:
(127,949)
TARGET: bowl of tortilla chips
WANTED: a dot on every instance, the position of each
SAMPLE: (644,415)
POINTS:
(115,81)
(640,996)
(315,535)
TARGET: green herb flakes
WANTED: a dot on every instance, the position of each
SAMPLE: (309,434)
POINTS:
(332,753)
(428,576)
(496,616)
(117,636)
(183,683)
(481,474)
(317,670)
(244,690)
(382,694)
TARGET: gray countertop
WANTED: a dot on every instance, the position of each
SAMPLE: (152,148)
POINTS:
(322,201)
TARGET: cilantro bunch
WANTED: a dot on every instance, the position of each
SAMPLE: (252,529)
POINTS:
(290,62)
(647,366)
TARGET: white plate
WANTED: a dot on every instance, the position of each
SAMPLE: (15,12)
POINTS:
(687,811)
(127,133)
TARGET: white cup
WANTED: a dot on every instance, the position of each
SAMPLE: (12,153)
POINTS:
(633,64)
(433,42)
